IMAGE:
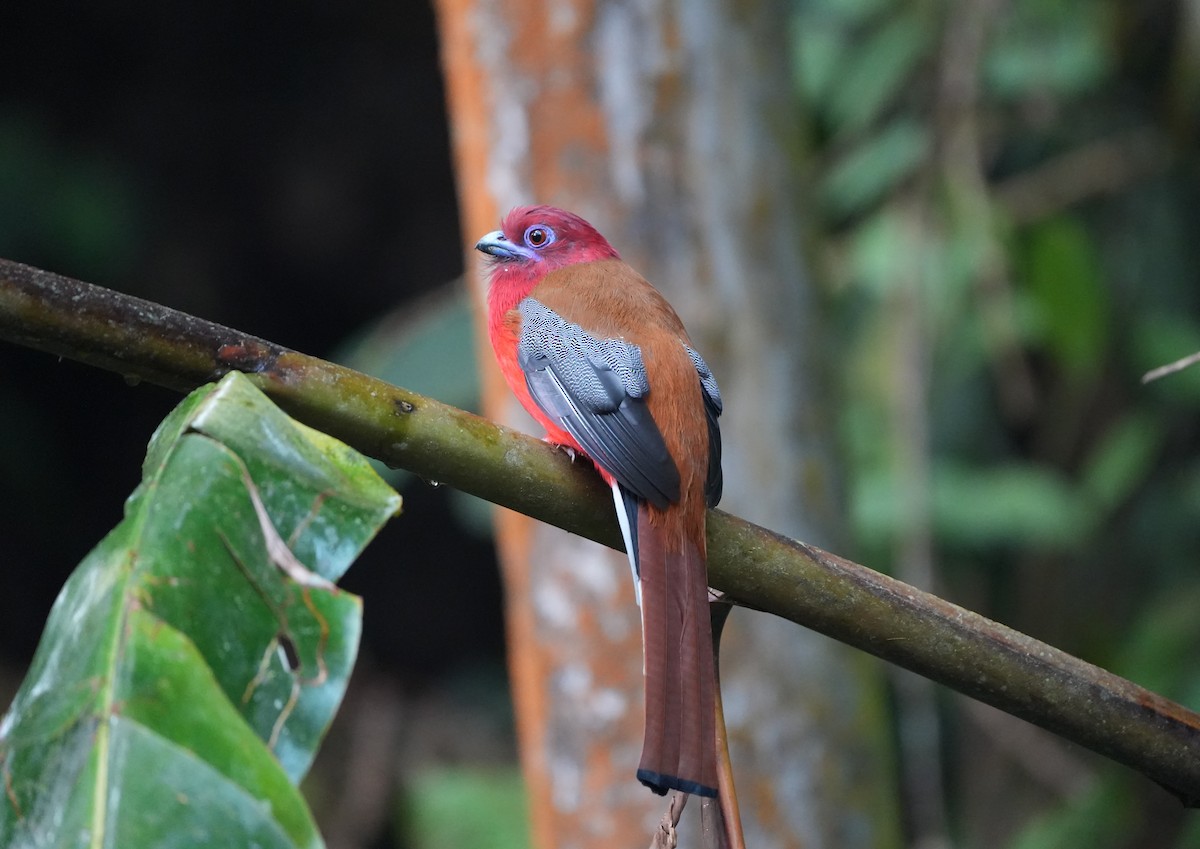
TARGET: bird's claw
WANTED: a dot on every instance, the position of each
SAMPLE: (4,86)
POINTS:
(570,452)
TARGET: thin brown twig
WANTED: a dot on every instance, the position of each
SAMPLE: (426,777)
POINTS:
(665,836)
(730,814)
(1101,167)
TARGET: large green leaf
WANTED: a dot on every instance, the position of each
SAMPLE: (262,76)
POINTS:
(195,658)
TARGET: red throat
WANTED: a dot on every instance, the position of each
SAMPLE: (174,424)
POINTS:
(653,428)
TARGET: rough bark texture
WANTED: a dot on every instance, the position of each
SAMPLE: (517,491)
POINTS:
(668,126)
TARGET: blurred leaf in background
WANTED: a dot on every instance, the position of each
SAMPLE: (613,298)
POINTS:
(66,197)
(427,346)
(466,807)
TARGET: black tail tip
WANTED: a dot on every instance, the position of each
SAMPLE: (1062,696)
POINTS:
(660,784)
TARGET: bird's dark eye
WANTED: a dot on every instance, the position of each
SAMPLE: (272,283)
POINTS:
(538,236)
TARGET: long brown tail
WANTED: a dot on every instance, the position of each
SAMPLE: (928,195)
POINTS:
(679,752)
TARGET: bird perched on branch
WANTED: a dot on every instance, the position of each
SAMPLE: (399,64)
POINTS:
(599,358)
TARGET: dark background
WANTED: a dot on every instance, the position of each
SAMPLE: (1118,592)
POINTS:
(280,168)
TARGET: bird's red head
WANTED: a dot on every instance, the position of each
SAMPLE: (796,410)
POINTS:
(535,240)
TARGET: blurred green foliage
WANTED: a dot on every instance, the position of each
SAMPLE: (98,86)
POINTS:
(428,347)
(1006,228)
(465,807)
(71,199)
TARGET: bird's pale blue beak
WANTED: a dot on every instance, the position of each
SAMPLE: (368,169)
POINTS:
(496,244)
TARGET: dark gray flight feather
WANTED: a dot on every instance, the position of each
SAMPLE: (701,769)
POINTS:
(712,411)
(596,389)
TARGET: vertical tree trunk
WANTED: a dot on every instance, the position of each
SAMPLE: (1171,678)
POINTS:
(670,127)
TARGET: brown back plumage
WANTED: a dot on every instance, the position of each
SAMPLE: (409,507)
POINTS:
(609,299)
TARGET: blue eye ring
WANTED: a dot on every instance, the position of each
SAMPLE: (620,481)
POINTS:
(538,236)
